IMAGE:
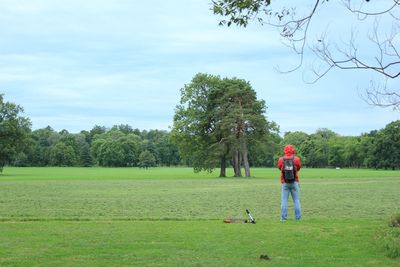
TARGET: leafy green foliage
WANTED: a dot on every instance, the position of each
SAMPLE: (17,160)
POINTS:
(263,150)
(193,123)
(21,160)
(387,147)
(14,130)
(62,155)
(119,146)
(146,160)
(377,149)
(116,149)
(218,119)
(239,12)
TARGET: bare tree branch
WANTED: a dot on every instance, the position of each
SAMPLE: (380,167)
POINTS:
(379,95)
(364,14)
(295,28)
(289,30)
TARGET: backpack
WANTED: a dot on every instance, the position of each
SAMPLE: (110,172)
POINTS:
(289,170)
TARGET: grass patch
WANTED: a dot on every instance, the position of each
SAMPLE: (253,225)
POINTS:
(191,243)
(173,217)
(97,173)
(389,237)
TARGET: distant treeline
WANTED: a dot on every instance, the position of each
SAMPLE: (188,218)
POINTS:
(377,149)
(123,146)
(120,146)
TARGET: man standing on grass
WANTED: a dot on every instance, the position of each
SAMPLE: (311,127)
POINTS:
(290,165)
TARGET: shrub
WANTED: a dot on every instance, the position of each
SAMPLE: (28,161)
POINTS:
(389,237)
(395,221)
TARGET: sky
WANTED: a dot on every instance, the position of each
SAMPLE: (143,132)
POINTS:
(74,64)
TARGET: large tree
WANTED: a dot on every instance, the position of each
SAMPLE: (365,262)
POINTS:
(215,122)
(300,30)
(14,130)
(193,130)
(238,119)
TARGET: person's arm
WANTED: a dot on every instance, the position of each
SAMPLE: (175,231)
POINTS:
(280,163)
(297,163)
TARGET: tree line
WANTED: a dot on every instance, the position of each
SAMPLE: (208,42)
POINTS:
(218,124)
(119,146)
(379,149)
(123,146)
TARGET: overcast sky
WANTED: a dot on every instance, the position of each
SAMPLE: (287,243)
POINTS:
(75,64)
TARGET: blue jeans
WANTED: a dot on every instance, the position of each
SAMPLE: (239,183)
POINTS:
(294,190)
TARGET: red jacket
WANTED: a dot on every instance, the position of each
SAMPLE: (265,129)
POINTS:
(288,153)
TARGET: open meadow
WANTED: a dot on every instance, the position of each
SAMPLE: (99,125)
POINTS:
(174,217)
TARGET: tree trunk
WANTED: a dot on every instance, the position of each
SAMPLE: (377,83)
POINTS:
(236,164)
(246,160)
(222,172)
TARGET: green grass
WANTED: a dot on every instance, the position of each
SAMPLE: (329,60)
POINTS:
(71,173)
(173,217)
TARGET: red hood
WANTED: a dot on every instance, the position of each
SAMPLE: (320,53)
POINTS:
(288,150)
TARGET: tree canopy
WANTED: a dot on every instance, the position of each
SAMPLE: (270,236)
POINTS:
(14,130)
(216,121)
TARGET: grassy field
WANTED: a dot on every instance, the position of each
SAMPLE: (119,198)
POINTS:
(173,217)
